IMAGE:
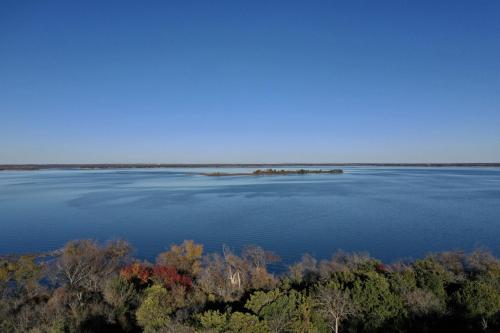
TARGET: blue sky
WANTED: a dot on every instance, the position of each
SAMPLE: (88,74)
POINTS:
(249,81)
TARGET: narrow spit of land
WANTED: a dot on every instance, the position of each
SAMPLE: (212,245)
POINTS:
(269,172)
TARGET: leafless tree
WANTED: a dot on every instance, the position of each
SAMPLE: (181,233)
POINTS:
(85,265)
(220,279)
(257,257)
(335,305)
(233,267)
(304,271)
(422,302)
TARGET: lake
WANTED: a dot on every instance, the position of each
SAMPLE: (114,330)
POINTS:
(389,212)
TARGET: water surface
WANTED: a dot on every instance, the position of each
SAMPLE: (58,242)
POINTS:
(389,212)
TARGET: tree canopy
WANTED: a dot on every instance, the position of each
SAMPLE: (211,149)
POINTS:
(92,287)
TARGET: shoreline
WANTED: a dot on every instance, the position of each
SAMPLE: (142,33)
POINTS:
(104,166)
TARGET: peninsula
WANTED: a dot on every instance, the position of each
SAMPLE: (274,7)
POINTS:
(268,172)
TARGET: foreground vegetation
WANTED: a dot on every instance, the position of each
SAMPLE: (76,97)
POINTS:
(88,287)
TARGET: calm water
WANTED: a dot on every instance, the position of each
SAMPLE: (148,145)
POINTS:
(389,212)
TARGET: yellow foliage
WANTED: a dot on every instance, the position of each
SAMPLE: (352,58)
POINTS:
(185,257)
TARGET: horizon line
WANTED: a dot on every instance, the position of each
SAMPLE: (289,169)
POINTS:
(41,166)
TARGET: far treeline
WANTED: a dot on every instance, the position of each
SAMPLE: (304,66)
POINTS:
(85,166)
(92,287)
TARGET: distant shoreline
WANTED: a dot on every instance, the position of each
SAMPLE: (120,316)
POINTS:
(34,167)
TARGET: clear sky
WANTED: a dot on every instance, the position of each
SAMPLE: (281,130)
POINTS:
(249,81)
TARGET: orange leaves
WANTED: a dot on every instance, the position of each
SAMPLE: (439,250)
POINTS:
(136,272)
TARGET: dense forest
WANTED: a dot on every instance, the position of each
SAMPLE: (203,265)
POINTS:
(92,287)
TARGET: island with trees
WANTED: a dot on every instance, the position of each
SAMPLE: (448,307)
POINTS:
(92,287)
(272,172)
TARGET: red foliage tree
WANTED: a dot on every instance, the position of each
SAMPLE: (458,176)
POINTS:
(381,268)
(169,276)
(142,274)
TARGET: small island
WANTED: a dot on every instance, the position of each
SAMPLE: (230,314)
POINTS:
(271,172)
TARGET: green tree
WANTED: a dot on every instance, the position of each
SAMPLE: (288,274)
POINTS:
(213,320)
(372,296)
(480,299)
(432,276)
(154,312)
(246,323)
(283,311)
(303,318)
